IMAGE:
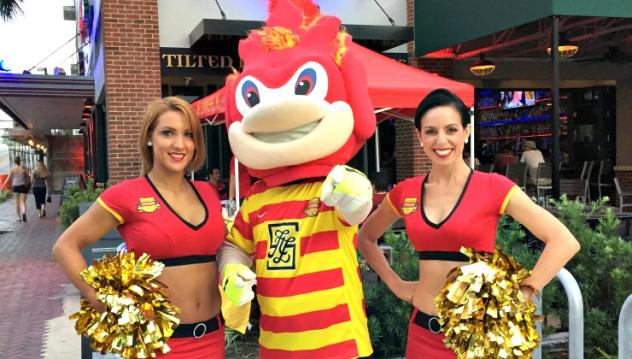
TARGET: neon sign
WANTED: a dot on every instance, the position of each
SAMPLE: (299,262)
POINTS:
(2,68)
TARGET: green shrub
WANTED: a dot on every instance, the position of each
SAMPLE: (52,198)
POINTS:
(5,195)
(388,315)
(69,210)
(603,269)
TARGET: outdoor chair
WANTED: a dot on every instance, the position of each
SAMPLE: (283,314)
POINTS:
(625,198)
(587,169)
(517,172)
(574,188)
(543,181)
(604,168)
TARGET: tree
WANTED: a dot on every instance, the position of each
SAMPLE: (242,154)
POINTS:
(9,9)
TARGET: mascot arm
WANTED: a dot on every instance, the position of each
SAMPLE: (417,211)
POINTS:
(237,278)
(235,285)
(349,191)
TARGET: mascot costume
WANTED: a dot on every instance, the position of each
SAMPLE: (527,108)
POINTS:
(298,110)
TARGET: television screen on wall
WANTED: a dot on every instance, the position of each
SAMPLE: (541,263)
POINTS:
(517,98)
(509,99)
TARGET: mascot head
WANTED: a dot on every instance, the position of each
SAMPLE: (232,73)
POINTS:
(301,104)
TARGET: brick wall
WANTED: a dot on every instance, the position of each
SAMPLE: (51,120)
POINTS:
(65,158)
(411,159)
(625,180)
(132,78)
(624,125)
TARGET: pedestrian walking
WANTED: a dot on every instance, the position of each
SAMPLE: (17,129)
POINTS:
(20,185)
(40,187)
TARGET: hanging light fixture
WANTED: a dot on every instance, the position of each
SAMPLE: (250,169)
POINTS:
(482,67)
(566,48)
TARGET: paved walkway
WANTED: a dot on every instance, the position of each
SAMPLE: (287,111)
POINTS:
(35,297)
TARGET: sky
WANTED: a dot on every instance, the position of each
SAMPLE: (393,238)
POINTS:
(33,35)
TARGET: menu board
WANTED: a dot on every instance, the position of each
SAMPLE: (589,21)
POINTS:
(69,181)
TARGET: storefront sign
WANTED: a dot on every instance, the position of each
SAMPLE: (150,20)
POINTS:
(201,61)
(182,62)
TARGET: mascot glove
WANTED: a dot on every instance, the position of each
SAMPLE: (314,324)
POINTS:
(349,191)
(237,283)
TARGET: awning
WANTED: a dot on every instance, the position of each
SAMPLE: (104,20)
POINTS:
(41,102)
(392,84)
(397,85)
(441,24)
(210,33)
(211,107)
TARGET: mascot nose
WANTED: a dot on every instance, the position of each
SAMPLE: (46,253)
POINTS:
(284,114)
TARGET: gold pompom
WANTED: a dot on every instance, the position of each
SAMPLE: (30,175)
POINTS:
(138,318)
(483,311)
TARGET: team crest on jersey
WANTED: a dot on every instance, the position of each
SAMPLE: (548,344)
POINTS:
(147,205)
(282,246)
(409,205)
(313,206)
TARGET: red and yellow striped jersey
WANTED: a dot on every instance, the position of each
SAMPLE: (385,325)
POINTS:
(308,281)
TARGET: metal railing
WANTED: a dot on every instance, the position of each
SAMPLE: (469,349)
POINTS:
(625,330)
(575,316)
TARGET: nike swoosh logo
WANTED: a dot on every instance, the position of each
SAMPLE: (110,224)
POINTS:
(260,215)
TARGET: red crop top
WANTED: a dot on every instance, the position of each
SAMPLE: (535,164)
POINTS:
(471,223)
(149,225)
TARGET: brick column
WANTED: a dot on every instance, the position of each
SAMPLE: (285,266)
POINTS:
(623,167)
(624,175)
(132,78)
(411,159)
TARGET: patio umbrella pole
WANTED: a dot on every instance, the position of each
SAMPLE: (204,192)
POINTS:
(472,154)
(377,148)
(555,96)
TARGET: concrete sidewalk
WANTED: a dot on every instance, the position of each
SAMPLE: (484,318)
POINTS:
(35,296)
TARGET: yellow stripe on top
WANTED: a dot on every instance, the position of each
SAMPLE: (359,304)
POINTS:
(390,202)
(310,263)
(297,304)
(118,217)
(503,207)
(294,192)
(306,340)
(241,241)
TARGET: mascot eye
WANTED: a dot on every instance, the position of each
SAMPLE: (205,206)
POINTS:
(250,93)
(306,82)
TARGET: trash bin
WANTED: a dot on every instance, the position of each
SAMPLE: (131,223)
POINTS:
(107,245)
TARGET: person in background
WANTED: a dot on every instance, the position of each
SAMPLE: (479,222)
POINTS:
(174,220)
(20,183)
(216,182)
(245,180)
(450,207)
(379,180)
(515,100)
(466,157)
(532,157)
(504,158)
(40,186)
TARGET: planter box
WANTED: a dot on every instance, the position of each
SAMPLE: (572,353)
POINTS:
(104,246)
